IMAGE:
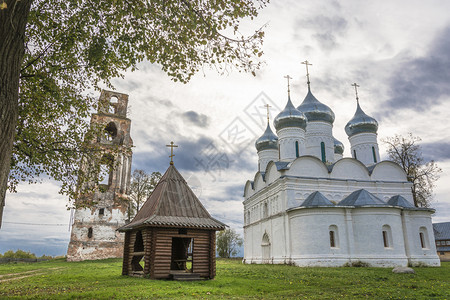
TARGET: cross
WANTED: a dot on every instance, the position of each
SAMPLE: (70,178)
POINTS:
(307,72)
(268,111)
(288,77)
(356,91)
(171,151)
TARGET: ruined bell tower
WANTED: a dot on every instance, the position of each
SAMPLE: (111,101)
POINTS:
(103,209)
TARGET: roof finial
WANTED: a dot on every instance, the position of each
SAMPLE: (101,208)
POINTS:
(307,72)
(356,91)
(268,111)
(171,152)
(289,90)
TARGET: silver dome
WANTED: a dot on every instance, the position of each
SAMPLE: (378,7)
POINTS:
(267,141)
(290,117)
(316,110)
(338,147)
(361,123)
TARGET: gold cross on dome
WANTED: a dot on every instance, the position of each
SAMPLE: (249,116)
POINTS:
(288,77)
(268,111)
(172,145)
(356,91)
(306,63)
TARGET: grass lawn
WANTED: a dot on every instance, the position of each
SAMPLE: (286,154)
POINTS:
(58,279)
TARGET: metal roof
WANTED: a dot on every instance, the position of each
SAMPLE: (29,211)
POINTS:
(290,117)
(267,141)
(316,199)
(361,123)
(173,203)
(361,198)
(316,110)
(399,201)
(441,231)
(443,249)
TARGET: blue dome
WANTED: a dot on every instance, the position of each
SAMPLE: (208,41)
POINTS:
(361,123)
(290,117)
(316,110)
(338,147)
(267,141)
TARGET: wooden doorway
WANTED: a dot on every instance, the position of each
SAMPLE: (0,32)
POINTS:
(182,249)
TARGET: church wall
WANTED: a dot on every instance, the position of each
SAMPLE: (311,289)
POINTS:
(317,132)
(420,222)
(369,245)
(264,157)
(310,237)
(362,144)
(286,141)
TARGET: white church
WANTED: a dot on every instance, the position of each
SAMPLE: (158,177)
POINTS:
(310,206)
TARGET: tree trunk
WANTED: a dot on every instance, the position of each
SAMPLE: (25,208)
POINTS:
(13,20)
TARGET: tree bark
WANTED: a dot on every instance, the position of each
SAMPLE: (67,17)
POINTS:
(13,20)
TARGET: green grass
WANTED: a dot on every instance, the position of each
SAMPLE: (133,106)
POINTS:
(58,279)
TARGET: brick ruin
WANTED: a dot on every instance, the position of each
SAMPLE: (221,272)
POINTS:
(98,214)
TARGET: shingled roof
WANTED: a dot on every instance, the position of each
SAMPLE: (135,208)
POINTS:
(173,204)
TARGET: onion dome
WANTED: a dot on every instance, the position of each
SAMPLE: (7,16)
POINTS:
(267,141)
(338,147)
(316,110)
(361,123)
(290,117)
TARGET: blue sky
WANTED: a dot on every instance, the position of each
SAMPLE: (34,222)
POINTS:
(397,51)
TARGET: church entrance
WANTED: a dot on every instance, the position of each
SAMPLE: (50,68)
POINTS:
(265,245)
(182,249)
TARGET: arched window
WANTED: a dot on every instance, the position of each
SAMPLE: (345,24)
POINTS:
(279,152)
(110,131)
(322,148)
(106,170)
(113,102)
(333,235)
(90,233)
(296,149)
(354,154)
(265,210)
(374,155)
(387,236)
(423,235)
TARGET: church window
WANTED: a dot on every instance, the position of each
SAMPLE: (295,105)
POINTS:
(101,211)
(423,238)
(106,170)
(385,239)
(279,152)
(113,105)
(387,236)
(296,149)
(354,154)
(332,241)
(110,131)
(374,155)
(333,236)
(90,232)
(322,148)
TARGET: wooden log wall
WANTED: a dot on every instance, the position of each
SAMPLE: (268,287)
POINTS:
(201,253)
(126,254)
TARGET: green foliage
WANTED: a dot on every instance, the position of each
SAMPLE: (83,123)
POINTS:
(18,254)
(72,46)
(142,185)
(406,152)
(228,242)
(58,279)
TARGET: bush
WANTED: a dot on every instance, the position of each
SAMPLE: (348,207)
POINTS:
(18,254)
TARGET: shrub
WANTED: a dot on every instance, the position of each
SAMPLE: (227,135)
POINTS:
(18,254)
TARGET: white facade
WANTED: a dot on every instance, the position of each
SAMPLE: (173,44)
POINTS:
(285,224)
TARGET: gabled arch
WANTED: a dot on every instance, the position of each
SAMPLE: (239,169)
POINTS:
(388,171)
(258,182)
(309,166)
(349,168)
(272,173)
(248,189)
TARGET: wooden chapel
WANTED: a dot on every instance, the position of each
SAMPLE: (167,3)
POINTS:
(172,236)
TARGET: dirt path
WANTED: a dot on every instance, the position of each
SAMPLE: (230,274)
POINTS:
(15,276)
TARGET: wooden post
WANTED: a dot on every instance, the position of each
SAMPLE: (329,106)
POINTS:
(126,253)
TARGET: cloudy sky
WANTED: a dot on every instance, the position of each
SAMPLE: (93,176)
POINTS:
(397,51)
